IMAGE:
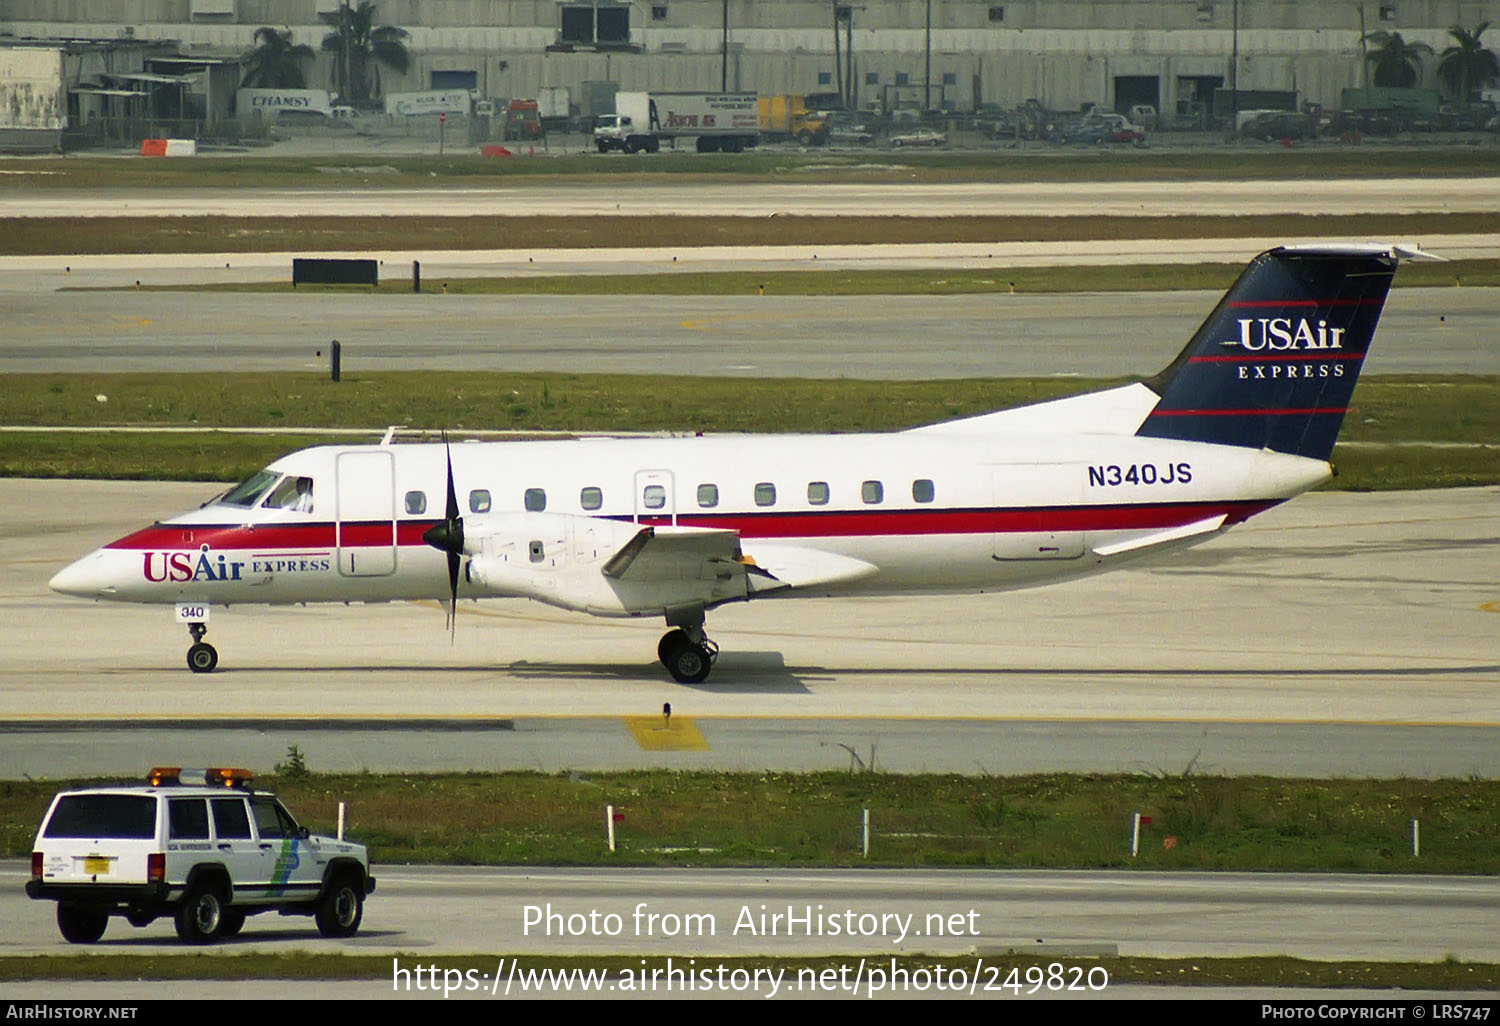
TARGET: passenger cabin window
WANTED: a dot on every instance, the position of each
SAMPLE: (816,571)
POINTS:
(923,490)
(872,492)
(817,493)
(708,495)
(247,491)
(416,503)
(765,494)
(654,497)
(479,500)
(230,819)
(293,493)
(535,500)
(187,819)
(591,498)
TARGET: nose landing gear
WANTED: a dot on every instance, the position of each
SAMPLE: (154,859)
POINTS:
(201,657)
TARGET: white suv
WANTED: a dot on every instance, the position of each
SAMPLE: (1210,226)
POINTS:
(198,845)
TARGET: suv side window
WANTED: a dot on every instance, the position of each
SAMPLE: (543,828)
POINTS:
(187,819)
(230,819)
(271,820)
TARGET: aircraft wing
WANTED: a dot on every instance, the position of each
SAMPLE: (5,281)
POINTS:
(673,553)
(792,566)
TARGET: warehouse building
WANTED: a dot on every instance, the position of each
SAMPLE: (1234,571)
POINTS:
(954,55)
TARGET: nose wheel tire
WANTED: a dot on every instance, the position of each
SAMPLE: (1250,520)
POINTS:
(202,657)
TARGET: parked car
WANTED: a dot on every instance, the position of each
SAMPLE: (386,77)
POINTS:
(1280,125)
(1105,128)
(919,137)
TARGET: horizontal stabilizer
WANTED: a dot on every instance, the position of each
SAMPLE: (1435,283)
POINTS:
(1172,534)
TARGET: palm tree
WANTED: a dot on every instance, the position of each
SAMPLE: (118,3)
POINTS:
(275,62)
(359,48)
(1397,63)
(1468,65)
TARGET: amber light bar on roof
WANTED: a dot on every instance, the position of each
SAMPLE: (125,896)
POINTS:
(212,776)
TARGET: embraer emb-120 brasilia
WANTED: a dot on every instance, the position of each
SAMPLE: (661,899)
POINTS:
(1243,419)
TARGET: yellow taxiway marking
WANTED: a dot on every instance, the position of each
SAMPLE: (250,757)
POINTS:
(658,734)
(1490,607)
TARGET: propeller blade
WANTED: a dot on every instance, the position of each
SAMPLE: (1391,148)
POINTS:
(448,536)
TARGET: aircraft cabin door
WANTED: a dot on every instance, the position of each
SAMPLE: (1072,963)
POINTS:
(655,496)
(365,531)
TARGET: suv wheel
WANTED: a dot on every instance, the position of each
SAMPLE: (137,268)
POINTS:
(201,914)
(80,925)
(341,908)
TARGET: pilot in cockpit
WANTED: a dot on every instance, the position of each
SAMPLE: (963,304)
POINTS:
(293,493)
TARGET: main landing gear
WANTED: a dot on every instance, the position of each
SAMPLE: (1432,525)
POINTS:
(201,657)
(686,651)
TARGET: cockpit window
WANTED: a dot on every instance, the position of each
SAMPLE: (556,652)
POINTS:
(293,493)
(247,491)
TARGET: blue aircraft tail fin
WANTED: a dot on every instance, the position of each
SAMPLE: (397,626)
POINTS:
(1274,365)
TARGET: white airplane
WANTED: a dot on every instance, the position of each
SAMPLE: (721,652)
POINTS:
(1243,419)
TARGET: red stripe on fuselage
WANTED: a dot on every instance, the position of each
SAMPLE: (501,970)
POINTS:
(859,523)
(802,524)
(273,537)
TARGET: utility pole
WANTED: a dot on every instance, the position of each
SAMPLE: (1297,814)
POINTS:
(927,71)
(345,27)
(1234,75)
(724,62)
(849,58)
(1364,55)
(838,65)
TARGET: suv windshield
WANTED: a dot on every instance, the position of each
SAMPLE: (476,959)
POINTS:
(103,815)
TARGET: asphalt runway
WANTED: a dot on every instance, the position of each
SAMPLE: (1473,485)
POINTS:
(421,913)
(1339,634)
(1422,331)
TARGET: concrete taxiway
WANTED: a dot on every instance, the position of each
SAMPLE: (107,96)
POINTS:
(1339,634)
(433,911)
(1423,331)
(346,195)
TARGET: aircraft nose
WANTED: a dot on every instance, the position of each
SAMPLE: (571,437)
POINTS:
(86,578)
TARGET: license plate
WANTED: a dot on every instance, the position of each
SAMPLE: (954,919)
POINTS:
(96,867)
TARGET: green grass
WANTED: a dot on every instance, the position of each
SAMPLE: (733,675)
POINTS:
(311,233)
(785,819)
(1388,414)
(1449,975)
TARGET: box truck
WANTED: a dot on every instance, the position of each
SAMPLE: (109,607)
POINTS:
(720,122)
